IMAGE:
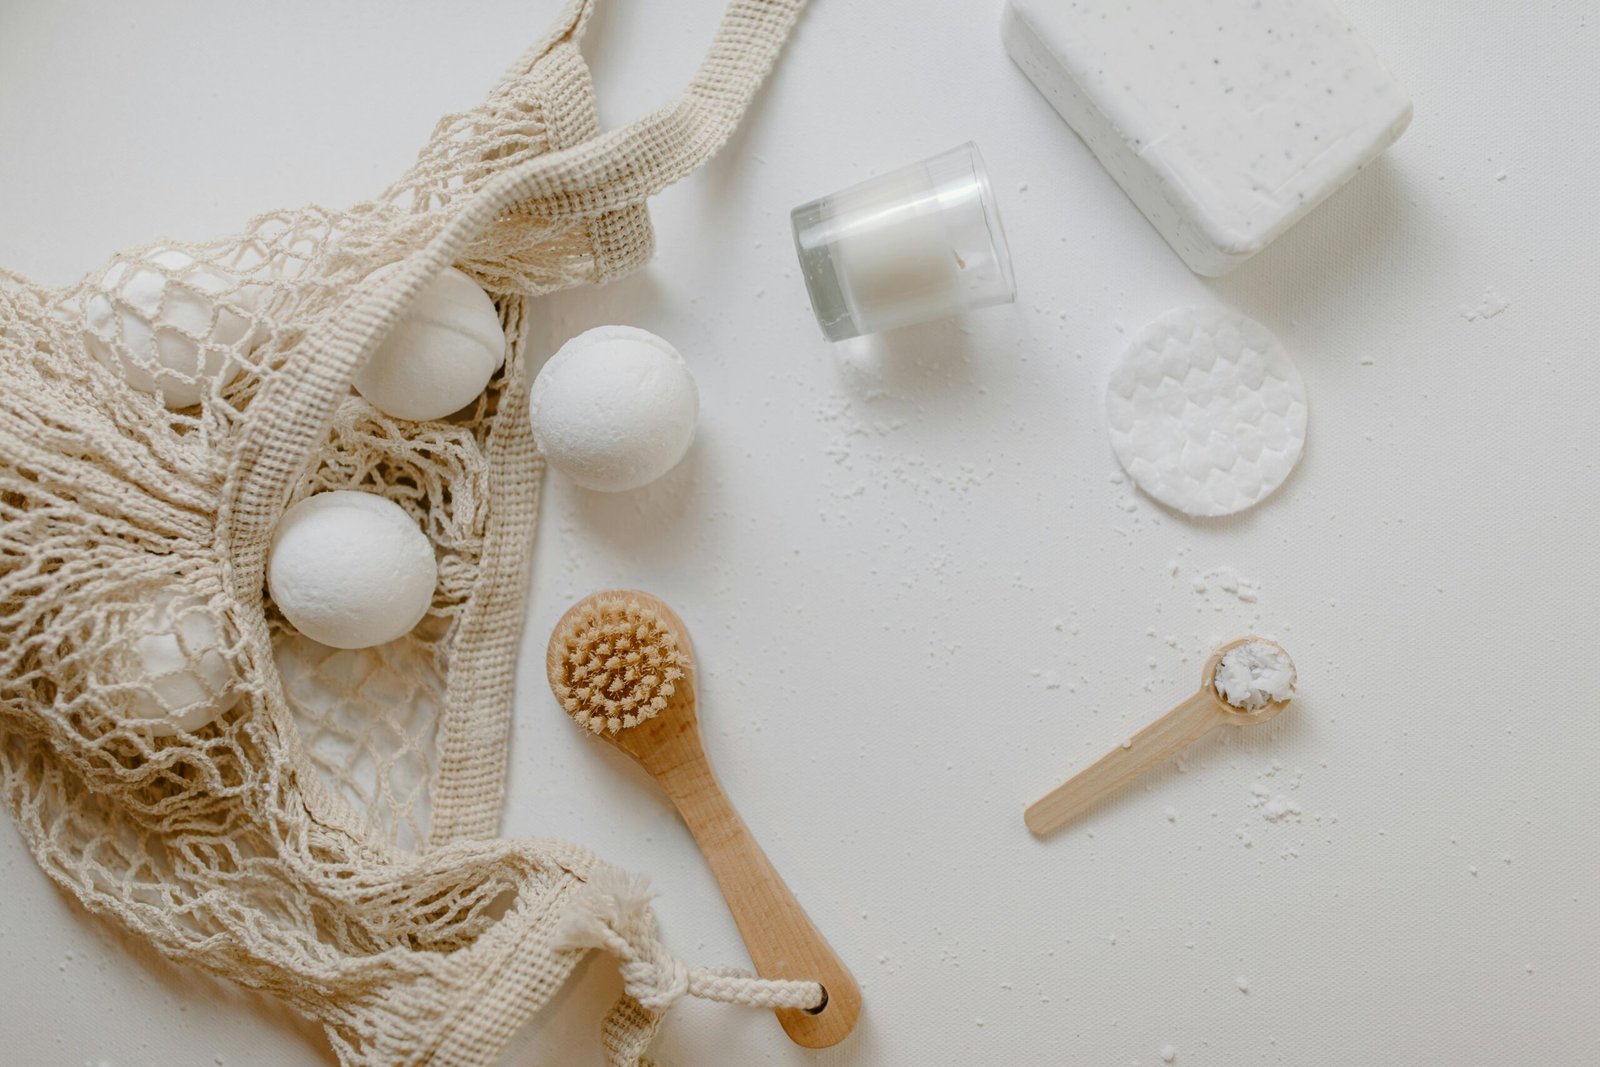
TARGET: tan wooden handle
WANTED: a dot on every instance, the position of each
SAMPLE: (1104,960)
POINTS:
(1165,737)
(779,935)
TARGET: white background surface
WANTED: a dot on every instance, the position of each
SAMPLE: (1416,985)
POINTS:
(919,593)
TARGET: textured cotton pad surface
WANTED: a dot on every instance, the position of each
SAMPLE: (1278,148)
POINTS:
(1206,410)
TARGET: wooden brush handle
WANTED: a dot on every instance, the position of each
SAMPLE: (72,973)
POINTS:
(779,935)
(1165,737)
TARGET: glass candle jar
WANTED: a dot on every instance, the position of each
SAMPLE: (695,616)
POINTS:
(916,244)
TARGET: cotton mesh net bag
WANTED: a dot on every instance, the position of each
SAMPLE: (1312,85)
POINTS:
(331,838)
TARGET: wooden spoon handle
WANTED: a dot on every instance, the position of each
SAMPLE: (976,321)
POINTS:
(779,935)
(1165,737)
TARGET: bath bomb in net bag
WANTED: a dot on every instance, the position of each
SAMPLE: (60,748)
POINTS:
(1207,412)
(167,323)
(174,656)
(439,358)
(614,408)
(351,570)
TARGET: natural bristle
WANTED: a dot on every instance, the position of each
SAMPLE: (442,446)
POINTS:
(614,664)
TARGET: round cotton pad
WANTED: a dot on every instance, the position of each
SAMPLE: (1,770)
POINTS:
(1206,410)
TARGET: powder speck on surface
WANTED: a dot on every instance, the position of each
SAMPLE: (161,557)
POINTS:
(1490,305)
(1168,1054)
(1254,675)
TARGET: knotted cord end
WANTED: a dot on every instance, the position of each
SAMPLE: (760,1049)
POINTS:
(612,912)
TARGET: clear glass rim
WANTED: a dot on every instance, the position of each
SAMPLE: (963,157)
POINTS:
(991,218)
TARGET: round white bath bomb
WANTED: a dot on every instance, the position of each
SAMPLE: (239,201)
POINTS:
(1207,412)
(351,570)
(440,356)
(174,658)
(615,408)
(169,325)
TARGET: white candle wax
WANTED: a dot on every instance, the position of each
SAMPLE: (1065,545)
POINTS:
(898,264)
(914,245)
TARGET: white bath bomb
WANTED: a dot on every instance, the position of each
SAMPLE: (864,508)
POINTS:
(351,570)
(174,658)
(440,356)
(615,408)
(169,325)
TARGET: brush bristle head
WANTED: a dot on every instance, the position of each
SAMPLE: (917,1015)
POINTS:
(615,663)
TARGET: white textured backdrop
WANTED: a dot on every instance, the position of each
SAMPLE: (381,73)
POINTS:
(920,593)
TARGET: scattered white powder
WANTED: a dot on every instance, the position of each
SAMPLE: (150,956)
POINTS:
(1243,983)
(1254,675)
(869,469)
(1229,581)
(1168,1054)
(1278,809)
(1225,580)
(1491,305)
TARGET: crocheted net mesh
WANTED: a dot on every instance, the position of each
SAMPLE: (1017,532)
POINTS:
(330,838)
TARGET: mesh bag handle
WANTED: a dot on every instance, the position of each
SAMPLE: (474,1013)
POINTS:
(224,847)
(610,172)
(604,180)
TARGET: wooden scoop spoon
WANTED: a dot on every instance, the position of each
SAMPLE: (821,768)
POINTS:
(622,665)
(1165,737)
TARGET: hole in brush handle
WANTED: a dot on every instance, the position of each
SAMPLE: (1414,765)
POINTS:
(820,1008)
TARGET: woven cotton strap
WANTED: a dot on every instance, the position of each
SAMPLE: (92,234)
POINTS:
(292,416)
(602,178)
(288,845)
(608,172)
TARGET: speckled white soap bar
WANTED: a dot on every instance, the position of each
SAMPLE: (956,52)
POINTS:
(1224,120)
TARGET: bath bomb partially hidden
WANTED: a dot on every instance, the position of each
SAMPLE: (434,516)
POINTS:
(440,356)
(174,658)
(615,408)
(1207,412)
(351,570)
(1254,675)
(169,325)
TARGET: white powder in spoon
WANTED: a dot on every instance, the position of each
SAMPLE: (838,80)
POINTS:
(1254,675)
